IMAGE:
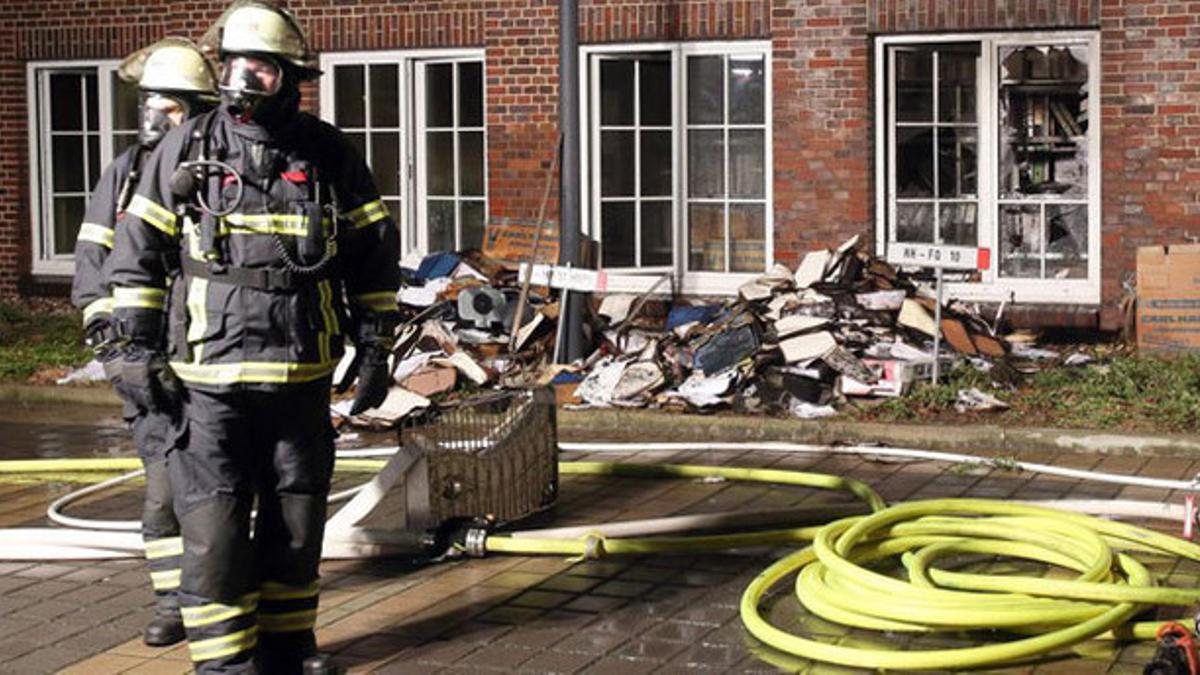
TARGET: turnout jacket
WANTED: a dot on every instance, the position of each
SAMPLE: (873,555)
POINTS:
(89,289)
(305,189)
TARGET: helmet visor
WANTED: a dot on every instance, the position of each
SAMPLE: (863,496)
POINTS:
(251,75)
(160,114)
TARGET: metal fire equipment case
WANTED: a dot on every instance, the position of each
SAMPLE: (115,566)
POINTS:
(493,457)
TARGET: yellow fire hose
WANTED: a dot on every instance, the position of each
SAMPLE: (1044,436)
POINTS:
(835,579)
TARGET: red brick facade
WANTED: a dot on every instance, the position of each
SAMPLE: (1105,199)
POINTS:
(823,93)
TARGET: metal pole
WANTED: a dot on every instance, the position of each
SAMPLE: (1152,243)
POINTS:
(937,329)
(569,198)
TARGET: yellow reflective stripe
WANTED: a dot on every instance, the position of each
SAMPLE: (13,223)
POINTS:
(154,214)
(247,371)
(97,234)
(165,580)
(215,648)
(164,548)
(96,308)
(367,214)
(288,621)
(266,223)
(272,590)
(197,307)
(147,298)
(205,615)
(325,293)
(380,301)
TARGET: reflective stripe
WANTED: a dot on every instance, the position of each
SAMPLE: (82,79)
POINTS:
(380,301)
(154,214)
(325,292)
(164,548)
(147,298)
(266,223)
(367,214)
(262,372)
(96,308)
(215,648)
(272,590)
(288,621)
(197,307)
(97,234)
(165,580)
(206,615)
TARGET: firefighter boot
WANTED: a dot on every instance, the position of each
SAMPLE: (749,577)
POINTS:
(321,664)
(165,629)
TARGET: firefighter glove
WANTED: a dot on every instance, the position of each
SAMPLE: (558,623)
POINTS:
(143,378)
(374,378)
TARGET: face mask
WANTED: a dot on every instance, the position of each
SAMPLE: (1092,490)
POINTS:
(252,87)
(160,114)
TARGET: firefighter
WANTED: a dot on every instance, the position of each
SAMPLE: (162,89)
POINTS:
(175,82)
(258,231)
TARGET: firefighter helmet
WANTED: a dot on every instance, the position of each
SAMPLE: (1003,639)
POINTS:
(261,27)
(173,64)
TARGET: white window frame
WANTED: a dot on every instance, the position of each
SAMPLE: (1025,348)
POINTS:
(37,81)
(413,237)
(992,287)
(690,282)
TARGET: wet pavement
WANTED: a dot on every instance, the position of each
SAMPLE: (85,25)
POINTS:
(510,613)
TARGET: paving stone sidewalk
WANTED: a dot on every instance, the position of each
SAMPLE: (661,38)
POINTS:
(535,615)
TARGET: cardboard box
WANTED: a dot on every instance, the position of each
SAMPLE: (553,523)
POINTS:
(1168,288)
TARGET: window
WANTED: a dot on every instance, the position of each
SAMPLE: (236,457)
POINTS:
(418,119)
(677,160)
(82,115)
(985,142)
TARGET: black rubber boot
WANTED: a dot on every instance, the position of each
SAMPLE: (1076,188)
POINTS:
(164,630)
(321,664)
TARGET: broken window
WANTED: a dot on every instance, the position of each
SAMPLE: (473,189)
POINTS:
(76,136)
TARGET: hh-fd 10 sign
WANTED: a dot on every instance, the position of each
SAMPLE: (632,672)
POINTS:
(934,255)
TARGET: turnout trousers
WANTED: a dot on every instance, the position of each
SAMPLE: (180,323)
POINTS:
(152,436)
(248,592)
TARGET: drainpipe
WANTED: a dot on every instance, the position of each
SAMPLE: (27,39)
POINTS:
(569,198)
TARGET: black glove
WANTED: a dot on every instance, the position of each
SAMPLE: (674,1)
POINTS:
(143,378)
(101,337)
(374,377)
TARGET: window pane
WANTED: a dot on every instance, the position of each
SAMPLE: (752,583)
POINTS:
(93,102)
(616,163)
(914,85)
(706,163)
(68,164)
(470,94)
(441,224)
(616,92)
(706,90)
(746,163)
(359,141)
(439,95)
(959,224)
(470,149)
(93,161)
(957,162)
(747,240)
(914,222)
(706,237)
(656,163)
(125,105)
(472,224)
(956,84)
(385,96)
(349,94)
(1020,237)
(655,92)
(746,89)
(1066,241)
(656,233)
(385,162)
(617,234)
(66,102)
(439,162)
(68,215)
(914,161)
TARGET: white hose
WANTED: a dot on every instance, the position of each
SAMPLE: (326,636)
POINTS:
(902,453)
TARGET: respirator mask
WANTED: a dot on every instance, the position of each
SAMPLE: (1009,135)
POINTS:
(160,114)
(253,88)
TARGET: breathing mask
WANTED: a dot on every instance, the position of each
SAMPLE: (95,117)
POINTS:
(160,114)
(256,88)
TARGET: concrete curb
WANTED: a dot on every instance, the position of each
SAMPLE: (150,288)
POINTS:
(994,440)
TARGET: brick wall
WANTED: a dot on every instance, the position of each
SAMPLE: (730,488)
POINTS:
(822,89)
